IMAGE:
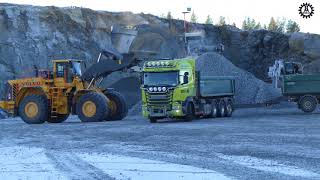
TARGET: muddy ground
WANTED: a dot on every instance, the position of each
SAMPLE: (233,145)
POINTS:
(278,142)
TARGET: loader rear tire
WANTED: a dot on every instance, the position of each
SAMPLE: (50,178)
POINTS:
(308,103)
(92,107)
(33,109)
(119,109)
(61,118)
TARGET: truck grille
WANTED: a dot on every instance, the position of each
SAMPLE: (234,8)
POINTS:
(159,100)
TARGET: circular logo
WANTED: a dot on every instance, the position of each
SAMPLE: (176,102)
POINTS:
(306,10)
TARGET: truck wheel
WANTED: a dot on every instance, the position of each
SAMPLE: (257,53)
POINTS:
(214,109)
(229,109)
(92,107)
(308,103)
(153,120)
(221,108)
(190,112)
(118,108)
(33,109)
(61,118)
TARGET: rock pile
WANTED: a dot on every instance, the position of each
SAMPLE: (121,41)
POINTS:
(249,89)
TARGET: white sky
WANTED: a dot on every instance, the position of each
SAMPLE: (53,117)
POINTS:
(233,10)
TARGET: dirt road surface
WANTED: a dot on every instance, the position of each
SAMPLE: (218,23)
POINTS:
(278,142)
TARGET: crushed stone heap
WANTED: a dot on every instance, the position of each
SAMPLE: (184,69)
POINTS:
(249,89)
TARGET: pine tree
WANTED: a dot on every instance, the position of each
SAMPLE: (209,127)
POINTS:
(234,24)
(292,26)
(272,25)
(265,27)
(222,21)
(244,25)
(281,25)
(209,20)
(169,16)
(258,26)
(194,18)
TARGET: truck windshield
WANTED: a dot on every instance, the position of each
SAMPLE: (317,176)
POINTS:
(160,78)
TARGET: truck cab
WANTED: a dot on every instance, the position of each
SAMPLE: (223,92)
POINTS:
(172,88)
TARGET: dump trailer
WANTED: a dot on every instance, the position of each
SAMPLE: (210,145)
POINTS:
(173,88)
(304,89)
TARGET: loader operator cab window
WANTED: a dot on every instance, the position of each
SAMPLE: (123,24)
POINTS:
(65,70)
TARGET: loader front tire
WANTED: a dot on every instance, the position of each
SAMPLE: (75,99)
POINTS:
(119,108)
(33,109)
(92,107)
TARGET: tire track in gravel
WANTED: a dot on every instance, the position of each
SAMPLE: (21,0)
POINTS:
(74,167)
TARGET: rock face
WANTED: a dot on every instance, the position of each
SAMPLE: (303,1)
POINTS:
(32,35)
(307,44)
(249,89)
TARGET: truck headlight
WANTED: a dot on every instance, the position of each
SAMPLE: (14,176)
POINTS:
(158,63)
(166,63)
(164,88)
(155,88)
(162,63)
(149,64)
(153,63)
(159,88)
(150,89)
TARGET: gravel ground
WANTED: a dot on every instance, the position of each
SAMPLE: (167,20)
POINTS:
(277,142)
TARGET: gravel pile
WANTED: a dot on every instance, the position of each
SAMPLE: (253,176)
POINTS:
(136,109)
(249,89)
(129,87)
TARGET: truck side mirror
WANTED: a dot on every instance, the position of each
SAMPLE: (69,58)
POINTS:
(186,78)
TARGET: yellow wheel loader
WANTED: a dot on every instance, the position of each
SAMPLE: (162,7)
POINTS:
(52,95)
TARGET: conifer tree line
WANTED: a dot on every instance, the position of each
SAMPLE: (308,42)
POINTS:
(281,25)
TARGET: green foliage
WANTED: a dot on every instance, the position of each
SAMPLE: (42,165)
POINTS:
(169,16)
(258,26)
(222,21)
(209,20)
(272,25)
(250,24)
(292,26)
(277,26)
(194,18)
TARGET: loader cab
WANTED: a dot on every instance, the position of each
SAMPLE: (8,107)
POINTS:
(65,70)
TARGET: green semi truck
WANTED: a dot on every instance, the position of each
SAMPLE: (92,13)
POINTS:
(173,88)
(304,89)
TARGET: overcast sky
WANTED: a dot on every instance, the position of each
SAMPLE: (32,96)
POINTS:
(233,10)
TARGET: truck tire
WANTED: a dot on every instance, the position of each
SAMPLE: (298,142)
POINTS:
(61,118)
(33,109)
(119,109)
(308,103)
(92,107)
(214,109)
(229,109)
(221,108)
(190,114)
(153,120)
